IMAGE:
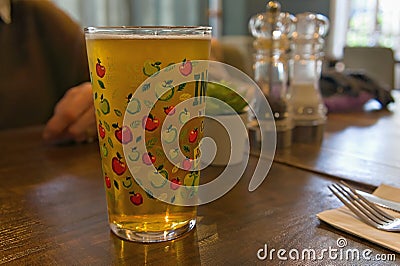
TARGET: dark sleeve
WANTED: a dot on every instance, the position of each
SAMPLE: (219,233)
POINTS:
(64,44)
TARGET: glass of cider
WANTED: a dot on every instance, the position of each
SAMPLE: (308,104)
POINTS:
(146,73)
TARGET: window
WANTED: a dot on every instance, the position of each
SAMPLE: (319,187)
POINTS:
(374,23)
(365,23)
(136,12)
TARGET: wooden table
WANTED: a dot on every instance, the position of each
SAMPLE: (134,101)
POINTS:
(360,146)
(53,211)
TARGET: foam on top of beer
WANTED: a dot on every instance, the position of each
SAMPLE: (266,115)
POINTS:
(145,36)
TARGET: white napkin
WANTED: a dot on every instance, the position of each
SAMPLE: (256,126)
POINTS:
(344,219)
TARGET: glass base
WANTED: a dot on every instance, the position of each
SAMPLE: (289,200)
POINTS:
(151,237)
(283,139)
(312,134)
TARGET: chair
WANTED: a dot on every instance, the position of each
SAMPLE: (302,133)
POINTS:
(377,62)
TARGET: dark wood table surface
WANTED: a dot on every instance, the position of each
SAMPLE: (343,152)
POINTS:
(361,146)
(53,210)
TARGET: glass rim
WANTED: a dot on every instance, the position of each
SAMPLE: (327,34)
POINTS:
(149,30)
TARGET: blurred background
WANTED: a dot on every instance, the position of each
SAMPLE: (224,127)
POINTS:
(354,23)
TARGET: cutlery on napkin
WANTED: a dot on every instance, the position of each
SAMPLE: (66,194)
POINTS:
(344,219)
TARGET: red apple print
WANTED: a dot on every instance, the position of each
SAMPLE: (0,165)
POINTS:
(136,198)
(169,110)
(193,135)
(100,69)
(126,135)
(108,181)
(118,135)
(123,134)
(186,67)
(118,166)
(175,183)
(150,123)
(102,131)
(187,164)
(148,158)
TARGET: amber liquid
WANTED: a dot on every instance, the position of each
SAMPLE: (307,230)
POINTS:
(127,63)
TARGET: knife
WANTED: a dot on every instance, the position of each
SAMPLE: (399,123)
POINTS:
(392,205)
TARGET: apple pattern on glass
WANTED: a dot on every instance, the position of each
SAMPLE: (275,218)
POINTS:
(117,177)
(164,166)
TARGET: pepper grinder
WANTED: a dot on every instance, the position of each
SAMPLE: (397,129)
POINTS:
(272,31)
(309,111)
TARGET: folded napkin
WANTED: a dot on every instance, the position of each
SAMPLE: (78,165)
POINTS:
(344,219)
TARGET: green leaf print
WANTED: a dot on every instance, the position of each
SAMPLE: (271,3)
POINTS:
(151,143)
(101,84)
(107,126)
(160,153)
(118,112)
(183,134)
(135,124)
(145,87)
(110,142)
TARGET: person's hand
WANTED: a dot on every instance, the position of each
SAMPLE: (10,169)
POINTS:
(74,117)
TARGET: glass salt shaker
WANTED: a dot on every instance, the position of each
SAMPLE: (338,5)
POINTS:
(272,31)
(309,111)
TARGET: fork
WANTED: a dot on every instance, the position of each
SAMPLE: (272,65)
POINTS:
(364,209)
